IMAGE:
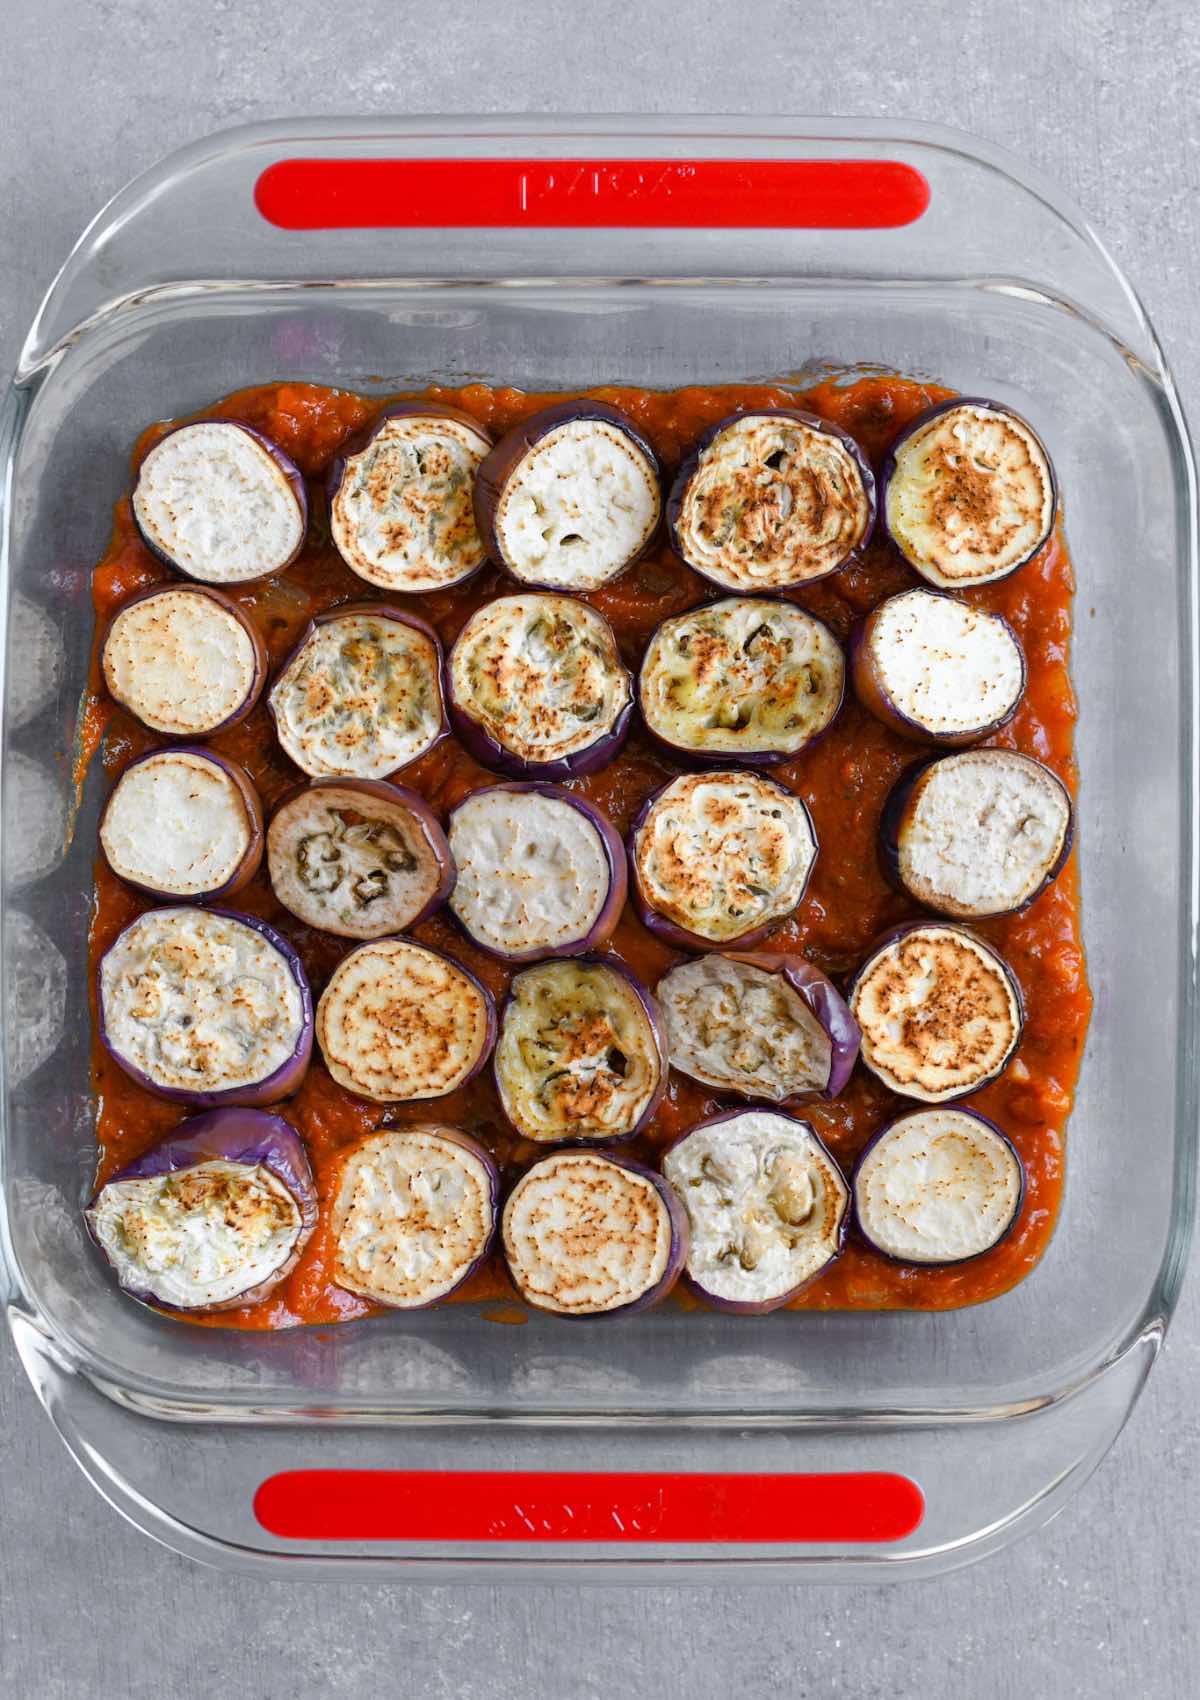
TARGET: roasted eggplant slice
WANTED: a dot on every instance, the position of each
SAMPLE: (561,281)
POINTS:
(536,687)
(183,822)
(362,695)
(184,660)
(414,1214)
(221,503)
(398,1022)
(581,1053)
(940,1012)
(979,833)
(719,858)
(937,670)
(589,1234)
(541,872)
(570,498)
(938,1186)
(968,493)
(770,501)
(767,1205)
(206,1007)
(742,681)
(762,1025)
(401,511)
(213,1216)
(358,857)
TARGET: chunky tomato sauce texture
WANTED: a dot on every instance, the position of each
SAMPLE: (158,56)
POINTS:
(843,779)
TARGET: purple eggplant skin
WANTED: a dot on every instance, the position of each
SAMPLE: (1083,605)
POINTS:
(237,1135)
(954,1262)
(243,620)
(658,1029)
(488,752)
(687,471)
(603,927)
(497,468)
(285,464)
(763,1307)
(893,819)
(874,698)
(818,992)
(679,937)
(252,860)
(681,1234)
(281,1083)
(401,797)
(888,469)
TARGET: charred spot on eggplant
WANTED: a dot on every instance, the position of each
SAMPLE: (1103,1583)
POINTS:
(771,500)
(220,502)
(968,493)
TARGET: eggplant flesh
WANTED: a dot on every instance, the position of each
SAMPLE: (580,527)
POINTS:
(413,1215)
(767,1206)
(937,1186)
(399,1022)
(402,515)
(979,833)
(938,670)
(742,679)
(183,661)
(542,679)
(722,856)
(969,494)
(585,1235)
(220,503)
(178,825)
(940,1012)
(536,873)
(737,1028)
(773,501)
(579,1055)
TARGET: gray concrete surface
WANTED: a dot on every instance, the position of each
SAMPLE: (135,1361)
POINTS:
(1102,94)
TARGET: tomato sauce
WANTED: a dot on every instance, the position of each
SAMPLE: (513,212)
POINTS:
(843,779)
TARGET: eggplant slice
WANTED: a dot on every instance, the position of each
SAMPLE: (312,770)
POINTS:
(720,857)
(541,872)
(742,680)
(183,822)
(968,493)
(940,1012)
(536,686)
(401,509)
(976,834)
(361,696)
(358,858)
(220,503)
(767,1206)
(580,1053)
(206,1006)
(937,670)
(213,1216)
(772,1028)
(588,1234)
(570,498)
(938,1186)
(184,660)
(770,501)
(413,1216)
(399,1022)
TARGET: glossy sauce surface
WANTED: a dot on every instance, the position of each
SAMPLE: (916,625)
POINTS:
(843,779)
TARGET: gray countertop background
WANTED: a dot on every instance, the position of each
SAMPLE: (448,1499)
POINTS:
(1103,96)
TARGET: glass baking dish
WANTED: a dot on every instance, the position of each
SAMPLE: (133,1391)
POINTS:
(568,252)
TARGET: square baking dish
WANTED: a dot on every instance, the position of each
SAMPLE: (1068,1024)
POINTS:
(558,253)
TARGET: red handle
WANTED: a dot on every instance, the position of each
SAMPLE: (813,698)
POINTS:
(740,194)
(484,1505)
